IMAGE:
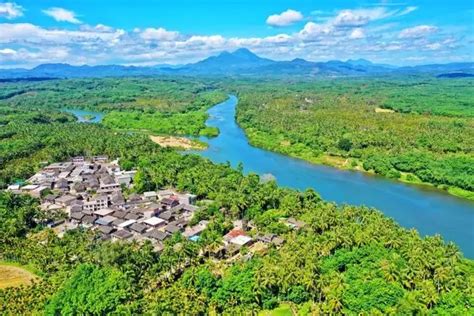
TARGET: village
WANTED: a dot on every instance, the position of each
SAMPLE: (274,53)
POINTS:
(89,193)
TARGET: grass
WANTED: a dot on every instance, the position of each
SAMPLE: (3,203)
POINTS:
(14,275)
(282,310)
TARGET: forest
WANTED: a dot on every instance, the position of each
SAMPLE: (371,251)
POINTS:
(415,130)
(345,260)
(159,106)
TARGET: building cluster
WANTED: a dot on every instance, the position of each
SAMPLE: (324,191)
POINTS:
(89,193)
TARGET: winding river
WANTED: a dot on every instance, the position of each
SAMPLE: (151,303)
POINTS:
(430,211)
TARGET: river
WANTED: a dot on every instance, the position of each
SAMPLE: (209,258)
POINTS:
(82,115)
(430,211)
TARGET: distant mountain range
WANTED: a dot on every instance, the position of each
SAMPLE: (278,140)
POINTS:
(245,63)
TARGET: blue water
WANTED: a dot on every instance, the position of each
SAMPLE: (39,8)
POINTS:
(430,211)
(80,114)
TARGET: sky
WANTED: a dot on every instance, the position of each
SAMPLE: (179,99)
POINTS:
(155,32)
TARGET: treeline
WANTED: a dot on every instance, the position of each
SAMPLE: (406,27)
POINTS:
(343,123)
(346,260)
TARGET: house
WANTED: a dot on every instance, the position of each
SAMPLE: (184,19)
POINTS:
(61,184)
(196,230)
(38,191)
(138,228)
(116,198)
(127,223)
(271,238)
(97,203)
(106,230)
(89,219)
(119,214)
(100,159)
(65,200)
(13,187)
(104,212)
(172,228)
(75,208)
(151,195)
(77,216)
(105,221)
(50,198)
(187,198)
(241,240)
(168,203)
(59,167)
(79,160)
(132,216)
(167,216)
(156,234)
(295,224)
(121,235)
(155,222)
(234,233)
(165,194)
(118,222)
(79,187)
(29,187)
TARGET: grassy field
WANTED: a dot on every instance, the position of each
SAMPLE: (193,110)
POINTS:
(12,275)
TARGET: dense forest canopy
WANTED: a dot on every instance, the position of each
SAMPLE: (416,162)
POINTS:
(345,260)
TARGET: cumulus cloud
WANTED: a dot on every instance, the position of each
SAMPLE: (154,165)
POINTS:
(359,17)
(27,33)
(285,18)
(418,31)
(62,15)
(357,33)
(159,34)
(10,10)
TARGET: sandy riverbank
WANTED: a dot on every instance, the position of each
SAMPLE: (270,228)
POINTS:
(177,142)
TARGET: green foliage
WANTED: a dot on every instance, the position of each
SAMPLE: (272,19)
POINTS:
(18,215)
(346,260)
(90,290)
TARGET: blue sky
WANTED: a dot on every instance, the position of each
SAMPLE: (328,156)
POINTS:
(148,32)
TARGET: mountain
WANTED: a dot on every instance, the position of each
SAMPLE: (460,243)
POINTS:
(241,62)
(237,61)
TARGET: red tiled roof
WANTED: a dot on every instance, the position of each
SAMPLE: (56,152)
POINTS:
(235,232)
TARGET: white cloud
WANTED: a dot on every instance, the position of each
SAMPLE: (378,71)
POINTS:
(159,34)
(62,15)
(7,52)
(285,18)
(418,31)
(313,31)
(26,33)
(357,33)
(10,10)
(359,17)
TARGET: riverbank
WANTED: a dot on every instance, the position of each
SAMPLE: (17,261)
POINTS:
(178,142)
(348,163)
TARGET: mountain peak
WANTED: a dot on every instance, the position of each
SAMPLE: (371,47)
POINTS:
(244,52)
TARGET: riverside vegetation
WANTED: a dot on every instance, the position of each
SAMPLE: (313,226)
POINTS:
(346,260)
(426,137)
